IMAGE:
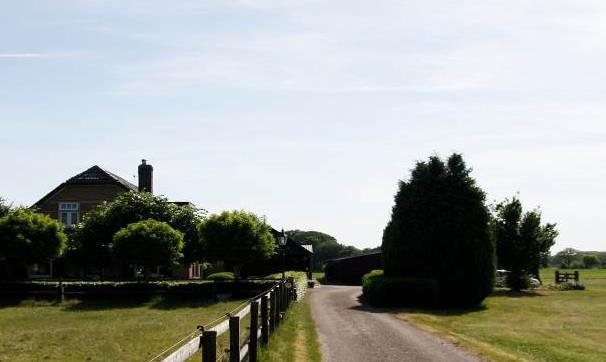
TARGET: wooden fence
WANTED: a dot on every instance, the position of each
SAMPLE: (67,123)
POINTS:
(561,277)
(266,312)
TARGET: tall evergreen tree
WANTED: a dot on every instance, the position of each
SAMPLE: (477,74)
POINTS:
(440,229)
(523,243)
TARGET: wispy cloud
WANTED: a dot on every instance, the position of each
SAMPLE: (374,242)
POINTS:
(339,49)
(36,55)
(21,55)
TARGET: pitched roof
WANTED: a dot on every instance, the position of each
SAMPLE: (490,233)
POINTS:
(96,176)
(93,176)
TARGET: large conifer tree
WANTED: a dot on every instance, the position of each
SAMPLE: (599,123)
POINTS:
(440,229)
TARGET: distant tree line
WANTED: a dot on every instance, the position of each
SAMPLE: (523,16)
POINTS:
(570,258)
(326,247)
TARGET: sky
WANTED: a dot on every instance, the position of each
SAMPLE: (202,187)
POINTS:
(309,112)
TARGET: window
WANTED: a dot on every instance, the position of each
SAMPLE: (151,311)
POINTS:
(69,213)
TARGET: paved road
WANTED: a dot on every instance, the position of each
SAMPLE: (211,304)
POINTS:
(351,332)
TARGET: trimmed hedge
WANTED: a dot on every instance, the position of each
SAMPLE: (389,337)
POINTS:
(387,291)
(300,280)
(221,276)
(106,288)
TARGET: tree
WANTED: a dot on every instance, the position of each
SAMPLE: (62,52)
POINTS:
(27,237)
(523,243)
(565,258)
(591,261)
(325,246)
(236,237)
(148,244)
(4,207)
(91,239)
(439,230)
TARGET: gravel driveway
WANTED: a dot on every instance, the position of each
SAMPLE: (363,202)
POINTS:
(351,332)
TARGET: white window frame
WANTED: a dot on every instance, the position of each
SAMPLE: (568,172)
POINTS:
(71,211)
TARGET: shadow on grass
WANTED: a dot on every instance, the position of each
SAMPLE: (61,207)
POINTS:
(513,294)
(163,302)
(181,301)
(441,311)
(105,303)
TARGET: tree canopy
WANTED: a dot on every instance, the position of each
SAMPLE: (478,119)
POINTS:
(148,243)
(236,237)
(325,246)
(4,207)
(91,239)
(29,237)
(523,243)
(439,229)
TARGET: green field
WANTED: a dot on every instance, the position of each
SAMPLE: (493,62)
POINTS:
(544,325)
(102,330)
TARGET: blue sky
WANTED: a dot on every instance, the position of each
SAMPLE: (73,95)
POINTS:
(309,112)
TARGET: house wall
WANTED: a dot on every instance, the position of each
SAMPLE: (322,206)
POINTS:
(89,196)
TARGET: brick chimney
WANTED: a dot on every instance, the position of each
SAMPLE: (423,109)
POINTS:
(146,177)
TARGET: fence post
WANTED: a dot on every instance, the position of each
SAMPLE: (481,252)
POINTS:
(278,304)
(254,329)
(291,294)
(557,276)
(272,310)
(289,287)
(61,291)
(576,276)
(209,346)
(283,301)
(234,339)
(264,321)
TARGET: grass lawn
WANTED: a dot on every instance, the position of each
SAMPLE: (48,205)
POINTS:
(545,325)
(295,340)
(107,330)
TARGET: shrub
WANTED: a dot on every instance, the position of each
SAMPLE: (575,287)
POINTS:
(148,243)
(570,286)
(28,237)
(518,282)
(91,240)
(388,291)
(439,230)
(221,276)
(237,237)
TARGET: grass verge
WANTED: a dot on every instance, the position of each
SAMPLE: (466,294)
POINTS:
(541,325)
(295,340)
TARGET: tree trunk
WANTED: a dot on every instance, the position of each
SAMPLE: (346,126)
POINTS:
(237,271)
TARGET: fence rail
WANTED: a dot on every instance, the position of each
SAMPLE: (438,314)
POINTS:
(266,310)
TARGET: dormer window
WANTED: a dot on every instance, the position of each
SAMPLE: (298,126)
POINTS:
(69,213)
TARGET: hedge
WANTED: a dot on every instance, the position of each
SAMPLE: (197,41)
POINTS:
(385,291)
(221,276)
(107,288)
(300,280)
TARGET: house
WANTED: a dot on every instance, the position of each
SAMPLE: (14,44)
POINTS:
(85,191)
(73,198)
